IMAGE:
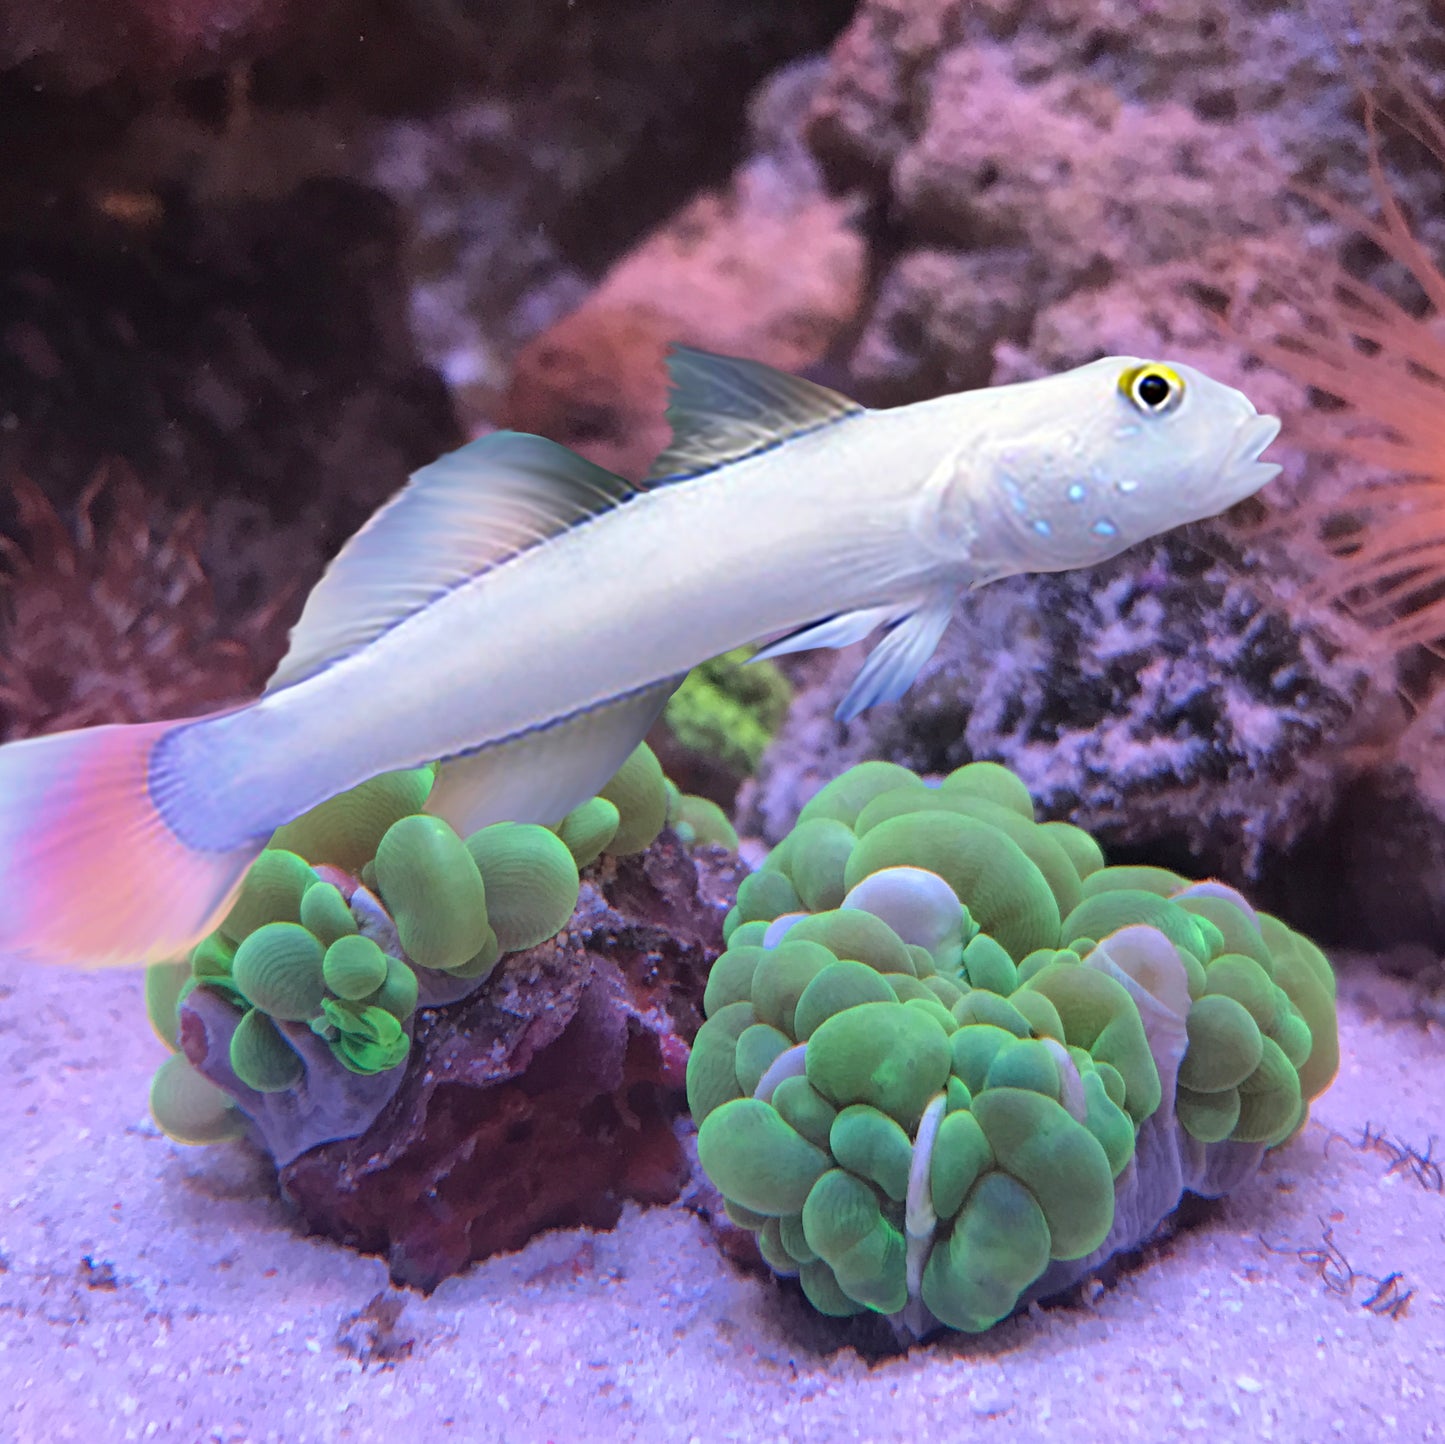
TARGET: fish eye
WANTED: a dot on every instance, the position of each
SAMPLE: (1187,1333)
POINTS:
(1154,389)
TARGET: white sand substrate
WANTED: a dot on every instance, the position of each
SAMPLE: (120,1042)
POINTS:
(152,1291)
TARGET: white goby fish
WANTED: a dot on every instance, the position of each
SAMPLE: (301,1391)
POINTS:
(525,615)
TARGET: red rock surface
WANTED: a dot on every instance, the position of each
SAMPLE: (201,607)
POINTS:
(546,1099)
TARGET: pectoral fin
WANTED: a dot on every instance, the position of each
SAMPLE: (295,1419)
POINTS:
(840,631)
(896,660)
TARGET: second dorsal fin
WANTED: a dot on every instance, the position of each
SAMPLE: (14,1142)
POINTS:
(723,409)
(464,514)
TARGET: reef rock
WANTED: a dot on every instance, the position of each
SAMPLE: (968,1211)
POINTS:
(768,267)
(1188,697)
(251,354)
(1061,181)
(1158,701)
(549,1096)
(592,125)
(80,44)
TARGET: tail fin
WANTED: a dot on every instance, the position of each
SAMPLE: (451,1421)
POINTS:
(92,872)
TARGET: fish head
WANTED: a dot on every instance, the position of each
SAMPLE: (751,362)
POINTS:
(1090,462)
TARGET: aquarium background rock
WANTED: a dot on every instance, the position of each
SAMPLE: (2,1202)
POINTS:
(267,259)
(1159,703)
(766,264)
(1044,186)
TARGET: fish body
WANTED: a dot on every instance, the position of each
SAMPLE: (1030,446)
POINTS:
(524,615)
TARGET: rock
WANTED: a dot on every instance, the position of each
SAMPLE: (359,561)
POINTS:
(115,620)
(548,1097)
(580,130)
(237,284)
(709,277)
(1159,706)
(80,44)
(1188,698)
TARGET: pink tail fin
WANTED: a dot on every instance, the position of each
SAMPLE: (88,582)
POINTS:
(92,872)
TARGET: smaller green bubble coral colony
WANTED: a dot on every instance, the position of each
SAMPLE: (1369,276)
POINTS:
(951,1060)
(364,906)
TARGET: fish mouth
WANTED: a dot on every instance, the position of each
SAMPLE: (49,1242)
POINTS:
(1243,473)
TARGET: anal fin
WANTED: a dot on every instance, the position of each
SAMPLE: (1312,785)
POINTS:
(541,775)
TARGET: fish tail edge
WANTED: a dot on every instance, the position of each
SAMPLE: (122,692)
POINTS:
(95,874)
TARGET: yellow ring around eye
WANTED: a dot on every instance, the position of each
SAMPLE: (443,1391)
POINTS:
(1152,388)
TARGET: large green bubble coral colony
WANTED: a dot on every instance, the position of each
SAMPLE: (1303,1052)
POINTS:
(952,1061)
(364,907)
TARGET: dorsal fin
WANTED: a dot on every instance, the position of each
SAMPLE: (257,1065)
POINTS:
(723,409)
(462,515)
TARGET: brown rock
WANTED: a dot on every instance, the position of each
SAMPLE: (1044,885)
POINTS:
(547,1098)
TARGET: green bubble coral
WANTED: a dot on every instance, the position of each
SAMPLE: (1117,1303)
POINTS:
(758,1159)
(845,1226)
(530,879)
(260,1057)
(883,1054)
(304,943)
(638,791)
(190,1108)
(700,822)
(354,967)
(271,892)
(164,984)
(324,912)
(926,1105)
(278,968)
(587,830)
(1004,891)
(398,992)
(1225,1046)
(347,829)
(433,891)
(362,1037)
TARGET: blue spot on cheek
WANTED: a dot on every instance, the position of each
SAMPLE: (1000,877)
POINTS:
(1125,487)
(1014,494)
(1077,492)
(1043,528)
(1104,528)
